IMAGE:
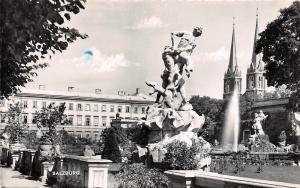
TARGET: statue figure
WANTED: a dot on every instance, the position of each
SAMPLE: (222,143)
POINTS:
(259,117)
(175,59)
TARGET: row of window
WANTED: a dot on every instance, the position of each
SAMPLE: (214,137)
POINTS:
(87,107)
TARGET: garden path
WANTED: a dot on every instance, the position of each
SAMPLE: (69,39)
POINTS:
(14,179)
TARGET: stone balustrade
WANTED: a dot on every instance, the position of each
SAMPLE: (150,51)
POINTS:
(200,179)
(80,171)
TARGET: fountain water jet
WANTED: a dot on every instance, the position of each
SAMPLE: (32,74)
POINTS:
(232,123)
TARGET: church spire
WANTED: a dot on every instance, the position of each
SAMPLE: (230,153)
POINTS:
(232,60)
(254,55)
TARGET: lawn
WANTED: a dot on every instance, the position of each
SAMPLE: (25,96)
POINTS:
(288,174)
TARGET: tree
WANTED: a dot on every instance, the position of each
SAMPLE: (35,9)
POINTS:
(111,149)
(213,109)
(15,127)
(280,45)
(50,117)
(30,29)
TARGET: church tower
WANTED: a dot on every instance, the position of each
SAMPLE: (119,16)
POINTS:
(256,81)
(232,77)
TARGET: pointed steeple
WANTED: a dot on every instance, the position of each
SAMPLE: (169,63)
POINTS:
(232,60)
(254,60)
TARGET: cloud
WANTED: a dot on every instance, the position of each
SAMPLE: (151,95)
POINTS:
(150,22)
(99,62)
(219,55)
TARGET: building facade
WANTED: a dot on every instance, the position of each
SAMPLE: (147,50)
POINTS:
(88,113)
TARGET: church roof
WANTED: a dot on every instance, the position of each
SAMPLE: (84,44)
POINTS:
(233,65)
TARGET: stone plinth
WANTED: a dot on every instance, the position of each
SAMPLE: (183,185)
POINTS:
(26,162)
(81,171)
(15,158)
(46,167)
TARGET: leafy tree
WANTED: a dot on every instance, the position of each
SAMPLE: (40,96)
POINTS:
(30,29)
(15,127)
(280,45)
(213,109)
(50,117)
(111,149)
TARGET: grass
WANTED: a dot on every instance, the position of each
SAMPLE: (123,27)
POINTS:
(288,174)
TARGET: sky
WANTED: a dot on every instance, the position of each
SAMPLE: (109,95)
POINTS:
(127,39)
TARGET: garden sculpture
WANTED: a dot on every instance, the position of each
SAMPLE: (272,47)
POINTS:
(172,113)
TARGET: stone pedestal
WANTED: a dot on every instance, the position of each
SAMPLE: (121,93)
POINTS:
(15,158)
(81,171)
(45,169)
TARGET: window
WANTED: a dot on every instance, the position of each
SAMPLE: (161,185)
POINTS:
(135,110)
(2,103)
(96,107)
(127,110)
(96,120)
(2,117)
(70,119)
(112,108)
(70,106)
(88,120)
(33,119)
(119,109)
(79,134)
(79,120)
(79,107)
(87,107)
(25,104)
(104,119)
(25,119)
(111,118)
(104,108)
(34,104)
(87,134)
(96,136)
(143,110)
(44,104)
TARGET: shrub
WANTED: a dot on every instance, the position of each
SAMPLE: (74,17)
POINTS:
(111,149)
(181,156)
(138,176)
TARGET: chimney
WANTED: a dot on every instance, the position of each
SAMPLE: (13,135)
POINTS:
(97,91)
(42,87)
(121,93)
(137,91)
(70,88)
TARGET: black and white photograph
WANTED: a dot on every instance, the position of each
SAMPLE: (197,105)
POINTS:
(149,93)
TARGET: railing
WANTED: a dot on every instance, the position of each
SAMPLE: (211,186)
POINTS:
(201,179)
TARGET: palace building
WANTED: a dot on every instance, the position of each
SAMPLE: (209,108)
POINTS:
(88,113)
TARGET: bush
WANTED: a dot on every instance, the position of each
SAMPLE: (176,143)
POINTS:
(111,149)
(138,176)
(181,156)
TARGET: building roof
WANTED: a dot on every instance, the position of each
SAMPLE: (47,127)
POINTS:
(74,95)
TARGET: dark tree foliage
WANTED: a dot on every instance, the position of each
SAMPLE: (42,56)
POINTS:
(210,107)
(280,45)
(111,149)
(213,110)
(29,30)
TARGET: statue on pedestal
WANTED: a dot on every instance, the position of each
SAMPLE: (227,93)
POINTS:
(257,126)
(172,113)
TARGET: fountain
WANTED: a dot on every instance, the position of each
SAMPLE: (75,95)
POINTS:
(232,124)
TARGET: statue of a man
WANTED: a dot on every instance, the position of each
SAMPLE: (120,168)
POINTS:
(259,117)
(175,58)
